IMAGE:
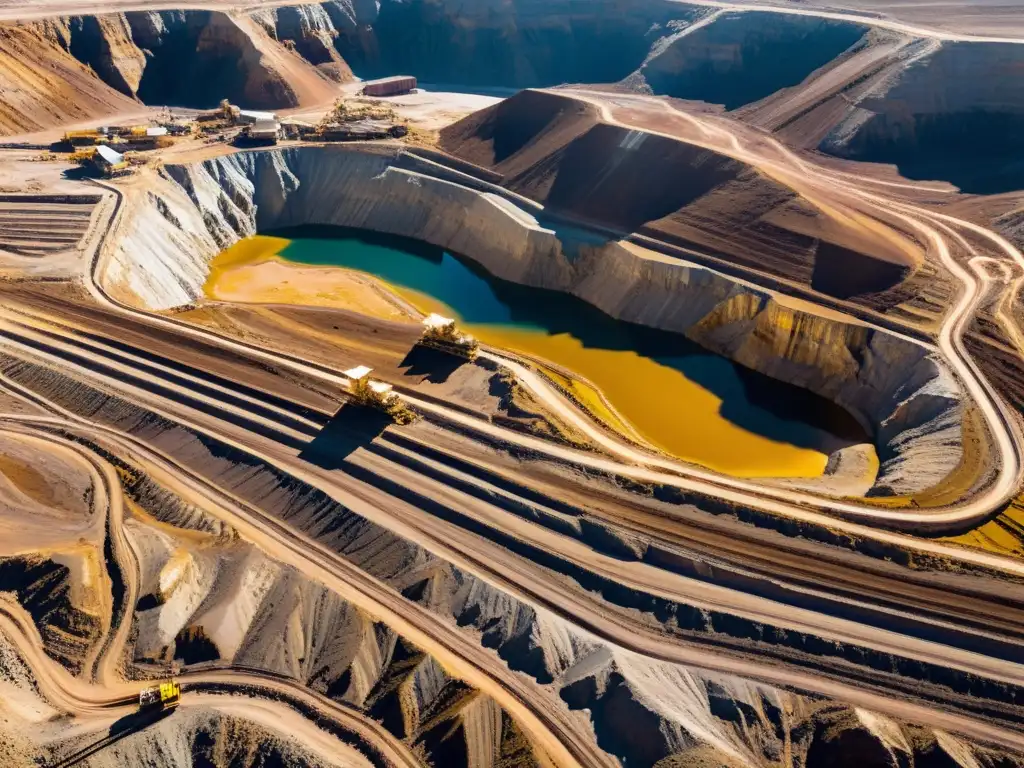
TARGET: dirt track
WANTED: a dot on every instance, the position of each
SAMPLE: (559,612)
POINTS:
(132,394)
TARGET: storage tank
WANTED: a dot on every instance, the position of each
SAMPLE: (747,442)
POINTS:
(389,86)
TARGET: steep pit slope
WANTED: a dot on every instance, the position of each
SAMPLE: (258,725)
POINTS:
(71,69)
(954,112)
(517,44)
(308,29)
(738,58)
(259,612)
(42,84)
(555,150)
(163,257)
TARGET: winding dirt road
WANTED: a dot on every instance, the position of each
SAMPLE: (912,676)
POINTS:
(275,430)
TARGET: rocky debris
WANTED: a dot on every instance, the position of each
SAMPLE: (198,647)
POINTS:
(65,614)
(298,629)
(308,29)
(69,69)
(209,738)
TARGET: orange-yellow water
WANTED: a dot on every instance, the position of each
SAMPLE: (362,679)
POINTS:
(662,405)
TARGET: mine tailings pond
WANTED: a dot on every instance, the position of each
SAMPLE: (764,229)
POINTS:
(692,404)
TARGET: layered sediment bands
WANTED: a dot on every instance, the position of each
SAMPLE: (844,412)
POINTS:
(68,621)
(739,58)
(641,710)
(162,258)
(200,736)
(951,111)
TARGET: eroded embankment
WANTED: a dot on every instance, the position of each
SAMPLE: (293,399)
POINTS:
(896,387)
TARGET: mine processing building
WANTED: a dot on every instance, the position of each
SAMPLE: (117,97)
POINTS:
(389,86)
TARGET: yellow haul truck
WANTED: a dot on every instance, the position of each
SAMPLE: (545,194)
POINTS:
(163,696)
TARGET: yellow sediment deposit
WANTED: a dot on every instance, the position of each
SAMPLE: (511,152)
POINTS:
(251,272)
(28,480)
(1003,535)
(668,410)
(673,413)
(663,406)
(592,400)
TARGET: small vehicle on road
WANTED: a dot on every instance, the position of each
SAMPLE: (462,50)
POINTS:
(162,696)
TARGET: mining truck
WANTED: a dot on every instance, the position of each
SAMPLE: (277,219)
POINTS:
(163,696)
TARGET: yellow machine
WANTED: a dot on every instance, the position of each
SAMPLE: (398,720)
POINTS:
(78,138)
(82,155)
(163,696)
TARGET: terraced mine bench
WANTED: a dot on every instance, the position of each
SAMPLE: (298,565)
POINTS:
(37,225)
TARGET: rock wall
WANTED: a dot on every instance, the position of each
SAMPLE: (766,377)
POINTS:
(310,31)
(515,44)
(739,58)
(68,69)
(42,84)
(953,111)
(912,408)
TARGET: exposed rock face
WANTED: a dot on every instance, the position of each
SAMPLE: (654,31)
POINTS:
(739,58)
(515,44)
(911,408)
(954,111)
(310,30)
(66,618)
(105,43)
(641,710)
(72,68)
(207,738)
(42,84)
(557,151)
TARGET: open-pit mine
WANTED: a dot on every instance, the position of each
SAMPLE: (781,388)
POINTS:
(534,383)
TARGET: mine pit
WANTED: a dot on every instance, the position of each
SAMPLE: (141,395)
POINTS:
(716,463)
(686,402)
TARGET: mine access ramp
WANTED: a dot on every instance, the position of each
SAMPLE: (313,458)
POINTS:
(162,696)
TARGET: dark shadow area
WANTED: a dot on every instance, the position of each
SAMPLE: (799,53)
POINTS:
(517,122)
(195,59)
(352,427)
(192,646)
(90,44)
(981,151)
(245,142)
(845,273)
(750,400)
(758,54)
(431,364)
(625,179)
(502,47)
(120,729)
(150,601)
(79,173)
